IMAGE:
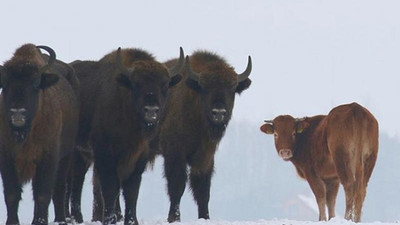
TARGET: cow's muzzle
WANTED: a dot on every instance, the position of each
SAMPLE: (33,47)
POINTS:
(285,154)
(18,118)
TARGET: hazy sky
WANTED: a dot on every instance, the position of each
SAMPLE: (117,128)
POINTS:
(308,55)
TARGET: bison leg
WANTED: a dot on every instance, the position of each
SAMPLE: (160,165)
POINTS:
(175,172)
(80,167)
(106,169)
(60,190)
(12,191)
(319,190)
(332,188)
(200,184)
(42,185)
(131,188)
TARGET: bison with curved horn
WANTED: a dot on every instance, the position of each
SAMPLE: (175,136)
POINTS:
(197,113)
(122,100)
(38,125)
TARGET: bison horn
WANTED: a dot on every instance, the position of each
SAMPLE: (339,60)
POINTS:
(243,76)
(193,75)
(177,68)
(119,62)
(52,54)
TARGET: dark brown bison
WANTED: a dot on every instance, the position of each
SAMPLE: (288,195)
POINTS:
(122,98)
(196,115)
(38,125)
(341,147)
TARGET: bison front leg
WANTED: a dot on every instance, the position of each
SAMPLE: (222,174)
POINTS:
(42,185)
(131,191)
(12,191)
(79,169)
(106,168)
(200,184)
(59,193)
(175,172)
(318,187)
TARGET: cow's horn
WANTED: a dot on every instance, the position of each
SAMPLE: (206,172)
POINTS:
(193,75)
(177,68)
(52,54)
(119,62)
(269,121)
(246,73)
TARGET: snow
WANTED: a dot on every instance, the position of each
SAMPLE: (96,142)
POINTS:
(334,221)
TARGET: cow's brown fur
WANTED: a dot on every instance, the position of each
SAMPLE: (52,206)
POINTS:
(340,147)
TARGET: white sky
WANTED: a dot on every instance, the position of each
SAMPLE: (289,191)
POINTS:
(308,55)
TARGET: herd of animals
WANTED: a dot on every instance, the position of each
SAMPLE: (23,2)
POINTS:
(120,112)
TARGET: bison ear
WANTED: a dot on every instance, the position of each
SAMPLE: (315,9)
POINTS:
(267,128)
(301,126)
(2,76)
(175,80)
(243,85)
(193,84)
(47,80)
(124,81)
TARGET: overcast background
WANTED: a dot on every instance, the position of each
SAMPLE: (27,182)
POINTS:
(308,55)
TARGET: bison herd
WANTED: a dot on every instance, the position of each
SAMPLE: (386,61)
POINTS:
(123,110)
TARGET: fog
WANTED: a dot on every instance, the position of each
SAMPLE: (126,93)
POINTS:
(308,57)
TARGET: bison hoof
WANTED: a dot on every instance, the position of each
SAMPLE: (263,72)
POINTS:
(131,221)
(39,221)
(120,217)
(77,218)
(174,218)
(111,219)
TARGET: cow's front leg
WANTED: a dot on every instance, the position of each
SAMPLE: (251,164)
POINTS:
(318,188)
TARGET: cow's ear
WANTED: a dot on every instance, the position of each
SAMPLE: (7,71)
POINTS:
(267,128)
(175,80)
(124,80)
(47,80)
(193,84)
(243,85)
(301,126)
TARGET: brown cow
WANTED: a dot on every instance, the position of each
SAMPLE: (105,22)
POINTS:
(38,125)
(340,147)
(197,113)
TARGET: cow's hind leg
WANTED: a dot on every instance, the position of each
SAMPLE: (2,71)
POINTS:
(12,191)
(200,184)
(332,188)
(344,161)
(176,174)
(59,192)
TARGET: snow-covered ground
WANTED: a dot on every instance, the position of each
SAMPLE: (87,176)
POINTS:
(334,221)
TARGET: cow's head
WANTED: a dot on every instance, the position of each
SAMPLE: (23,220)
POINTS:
(148,82)
(216,83)
(22,79)
(285,130)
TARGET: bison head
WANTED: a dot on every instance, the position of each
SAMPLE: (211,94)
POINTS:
(285,130)
(22,79)
(216,84)
(148,82)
